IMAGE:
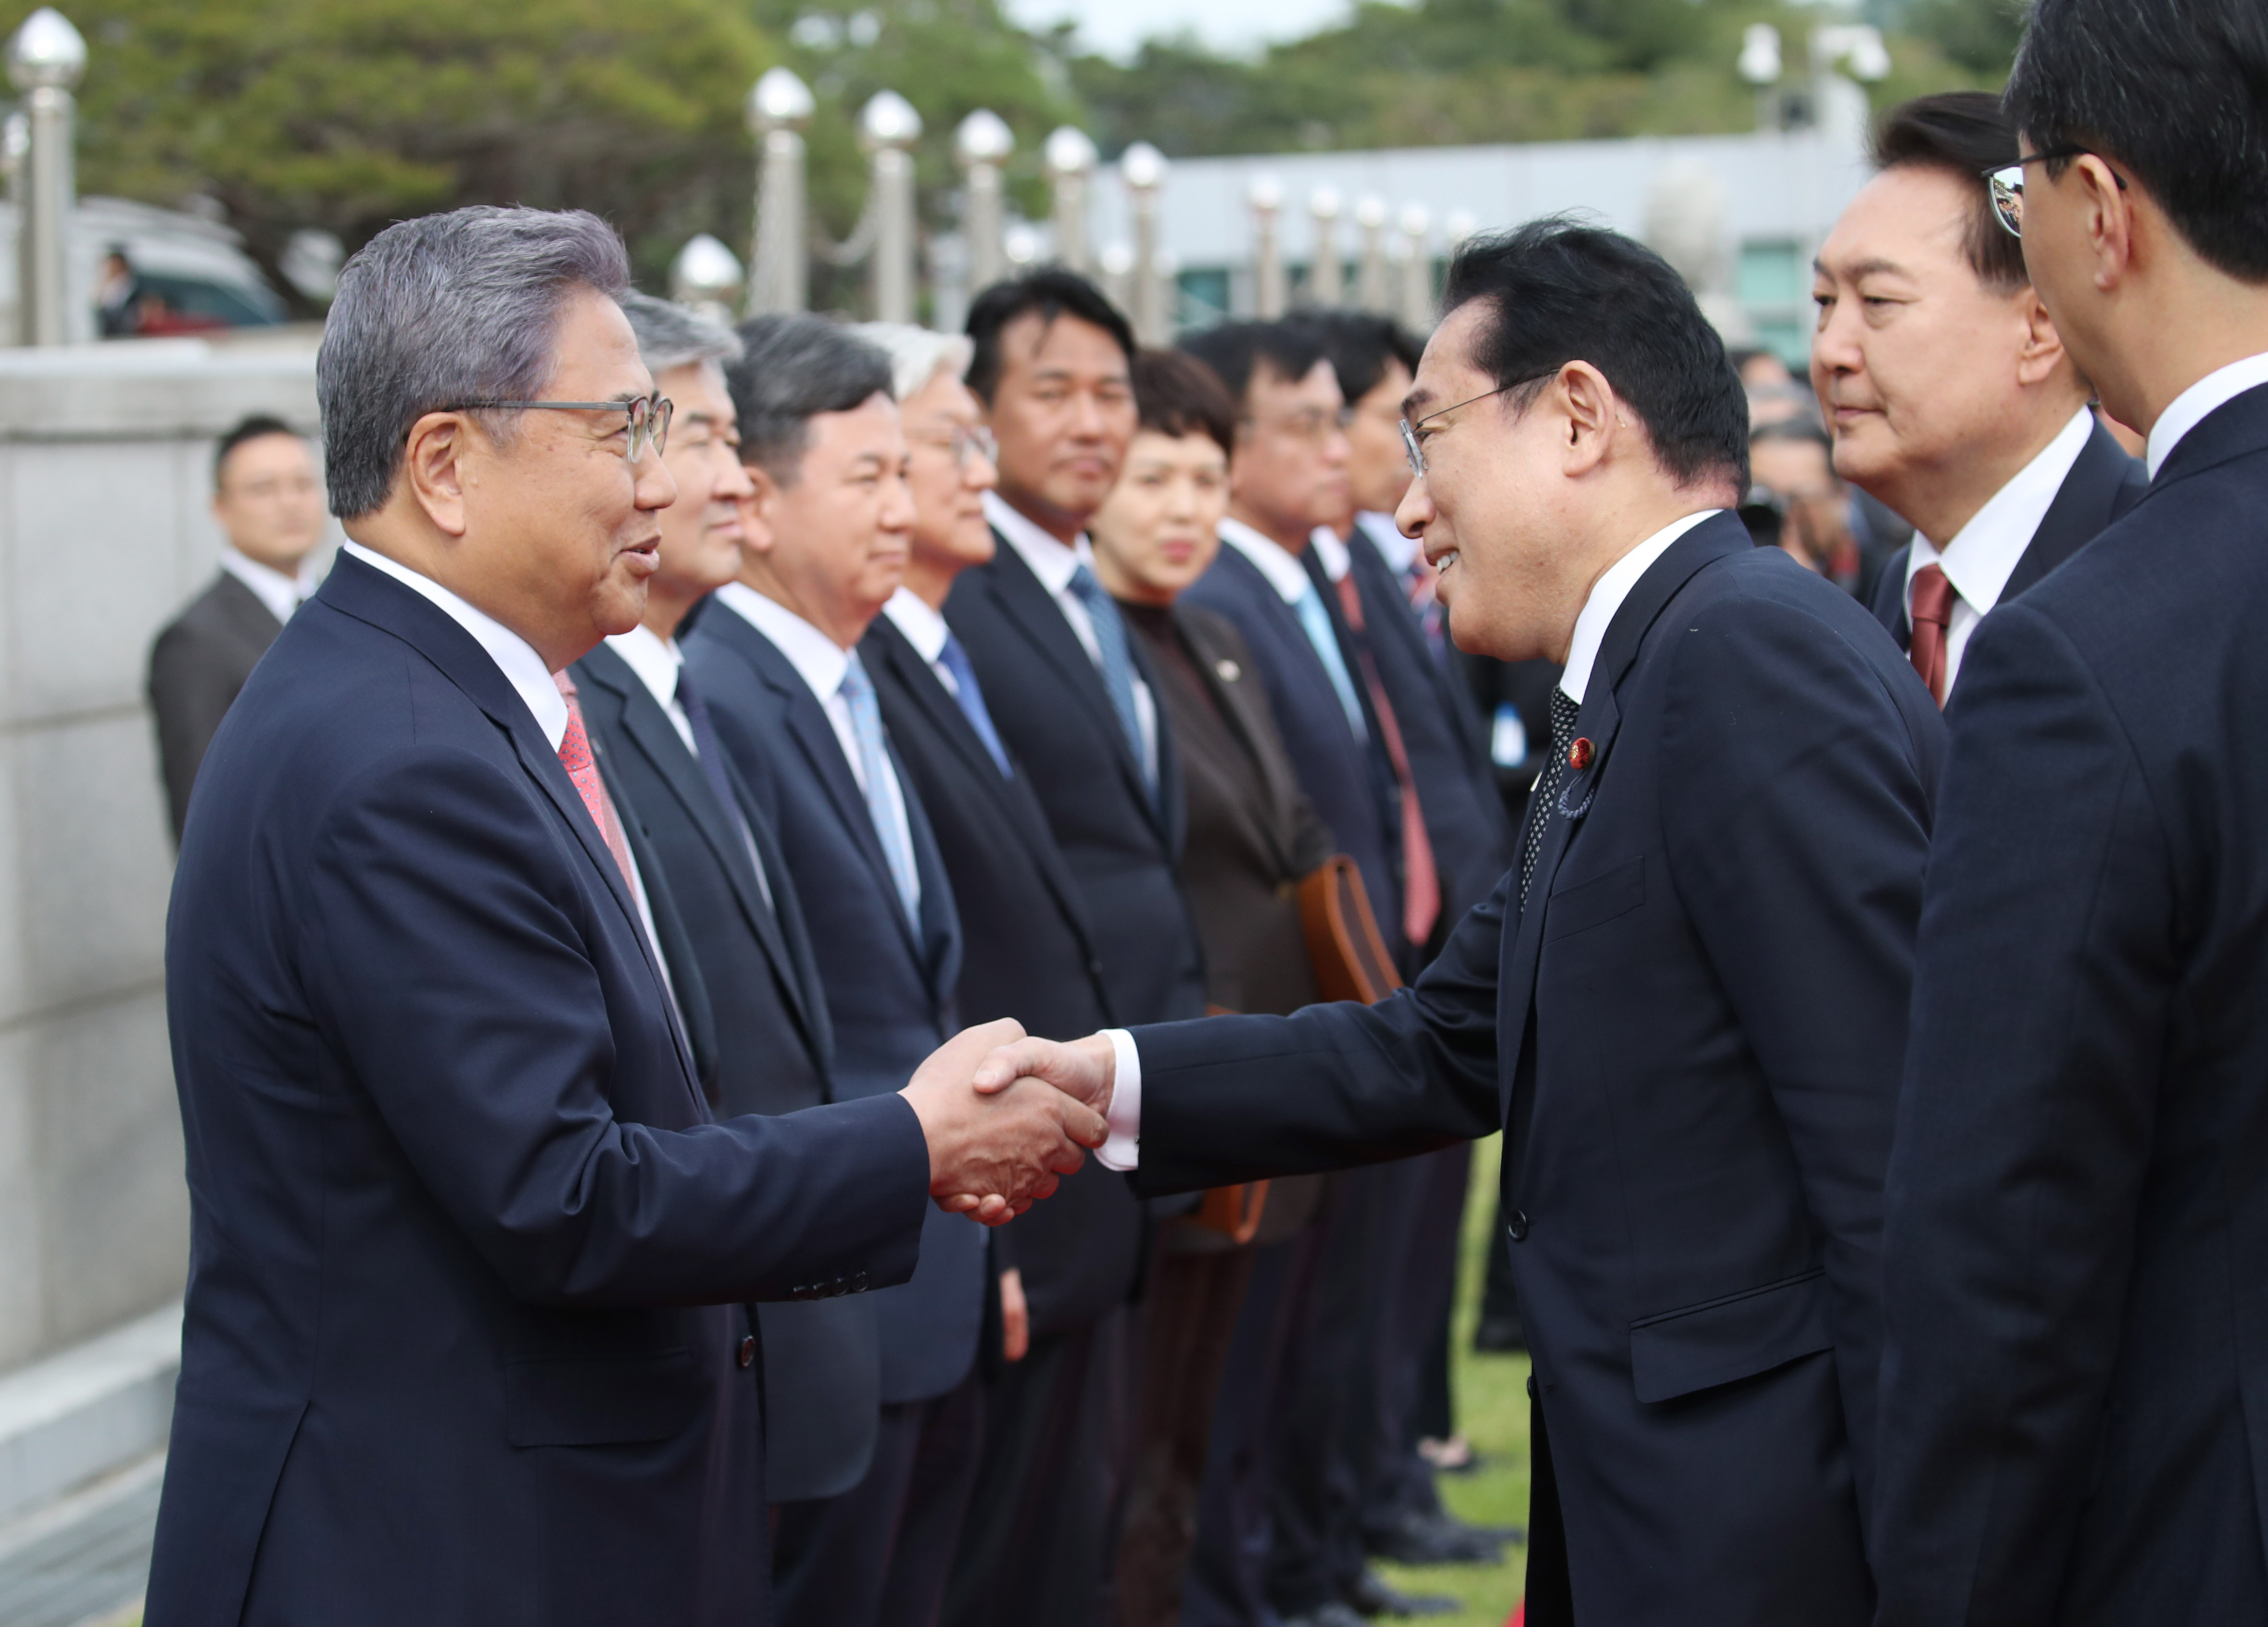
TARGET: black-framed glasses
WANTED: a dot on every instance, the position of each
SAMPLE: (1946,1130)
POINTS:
(2007,181)
(649,417)
(1416,453)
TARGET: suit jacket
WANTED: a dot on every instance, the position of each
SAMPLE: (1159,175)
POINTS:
(773,1046)
(2101,486)
(889,984)
(1350,780)
(1448,759)
(196,669)
(464,1340)
(1053,714)
(1692,1037)
(2078,1230)
(1028,953)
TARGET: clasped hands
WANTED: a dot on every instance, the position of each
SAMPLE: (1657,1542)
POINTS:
(1006,1116)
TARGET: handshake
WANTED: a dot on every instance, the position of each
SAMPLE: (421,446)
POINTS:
(1006,1116)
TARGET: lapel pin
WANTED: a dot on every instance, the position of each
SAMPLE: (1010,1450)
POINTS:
(1579,754)
(1228,671)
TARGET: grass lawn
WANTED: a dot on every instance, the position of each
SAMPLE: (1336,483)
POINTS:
(1492,1406)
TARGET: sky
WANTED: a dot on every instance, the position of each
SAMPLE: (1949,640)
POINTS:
(1115,27)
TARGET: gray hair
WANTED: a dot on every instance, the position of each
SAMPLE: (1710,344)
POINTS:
(917,354)
(448,308)
(671,336)
(794,369)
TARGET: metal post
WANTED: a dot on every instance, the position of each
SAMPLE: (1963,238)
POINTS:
(1326,285)
(45,59)
(1370,273)
(706,277)
(887,128)
(780,259)
(1144,169)
(1114,275)
(982,144)
(1269,291)
(1070,159)
(1418,269)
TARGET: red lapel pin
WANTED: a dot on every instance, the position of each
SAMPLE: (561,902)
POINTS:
(1579,754)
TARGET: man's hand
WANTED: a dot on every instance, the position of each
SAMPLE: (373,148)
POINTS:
(993,1154)
(1083,1070)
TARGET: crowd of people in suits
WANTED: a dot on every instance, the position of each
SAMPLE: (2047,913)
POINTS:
(748,803)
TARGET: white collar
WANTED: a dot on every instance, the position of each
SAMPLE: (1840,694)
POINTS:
(1330,553)
(280,593)
(1051,559)
(655,660)
(820,661)
(2197,403)
(923,628)
(1606,596)
(1396,550)
(1984,553)
(513,655)
(1282,567)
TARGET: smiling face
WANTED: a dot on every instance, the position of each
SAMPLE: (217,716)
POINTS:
(1937,386)
(1161,527)
(1063,412)
(831,543)
(701,532)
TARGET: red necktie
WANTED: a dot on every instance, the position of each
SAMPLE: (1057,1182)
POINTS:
(1932,612)
(1421,885)
(583,769)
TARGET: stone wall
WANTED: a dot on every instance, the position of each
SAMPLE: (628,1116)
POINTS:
(104,532)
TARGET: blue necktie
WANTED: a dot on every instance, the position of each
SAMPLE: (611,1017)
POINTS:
(1117,663)
(954,659)
(866,729)
(1316,621)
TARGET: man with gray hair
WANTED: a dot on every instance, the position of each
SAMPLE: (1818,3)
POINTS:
(465,1339)
(777,656)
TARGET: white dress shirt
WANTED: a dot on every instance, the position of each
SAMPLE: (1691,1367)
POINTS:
(822,663)
(525,672)
(1396,550)
(2199,402)
(1054,561)
(1331,553)
(925,629)
(1123,1151)
(282,594)
(1986,551)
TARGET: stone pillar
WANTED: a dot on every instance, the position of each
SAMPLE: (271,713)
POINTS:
(887,128)
(1070,158)
(706,277)
(1326,284)
(1417,302)
(780,259)
(1144,169)
(1269,287)
(45,59)
(1370,255)
(982,144)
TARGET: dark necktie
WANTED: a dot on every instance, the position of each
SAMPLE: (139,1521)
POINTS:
(1933,614)
(1421,882)
(954,659)
(1545,796)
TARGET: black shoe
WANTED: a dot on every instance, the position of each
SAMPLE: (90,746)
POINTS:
(1416,1538)
(1373,1595)
(1332,1615)
(1453,1456)
(1496,1334)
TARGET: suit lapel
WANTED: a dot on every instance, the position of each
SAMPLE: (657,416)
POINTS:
(2084,505)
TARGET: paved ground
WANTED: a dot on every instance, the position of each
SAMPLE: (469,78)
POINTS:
(86,1559)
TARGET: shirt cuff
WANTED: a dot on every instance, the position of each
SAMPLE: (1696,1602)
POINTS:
(1123,1151)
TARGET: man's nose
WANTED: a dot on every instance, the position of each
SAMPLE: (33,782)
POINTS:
(656,486)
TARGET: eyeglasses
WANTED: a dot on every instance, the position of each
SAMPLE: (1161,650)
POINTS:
(1311,424)
(649,417)
(965,444)
(2007,181)
(1416,453)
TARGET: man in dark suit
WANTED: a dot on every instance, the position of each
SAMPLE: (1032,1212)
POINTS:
(775,656)
(465,1338)
(1073,698)
(269,507)
(657,745)
(1948,390)
(1684,1003)
(2073,1395)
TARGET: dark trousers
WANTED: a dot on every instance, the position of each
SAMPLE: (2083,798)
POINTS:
(1418,1292)
(1227,1584)
(1551,1600)
(1190,1318)
(878,1556)
(1037,1548)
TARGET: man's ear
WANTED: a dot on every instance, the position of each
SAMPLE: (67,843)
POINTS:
(759,511)
(433,464)
(2042,351)
(2108,221)
(1592,418)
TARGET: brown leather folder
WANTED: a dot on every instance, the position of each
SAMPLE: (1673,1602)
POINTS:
(1351,962)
